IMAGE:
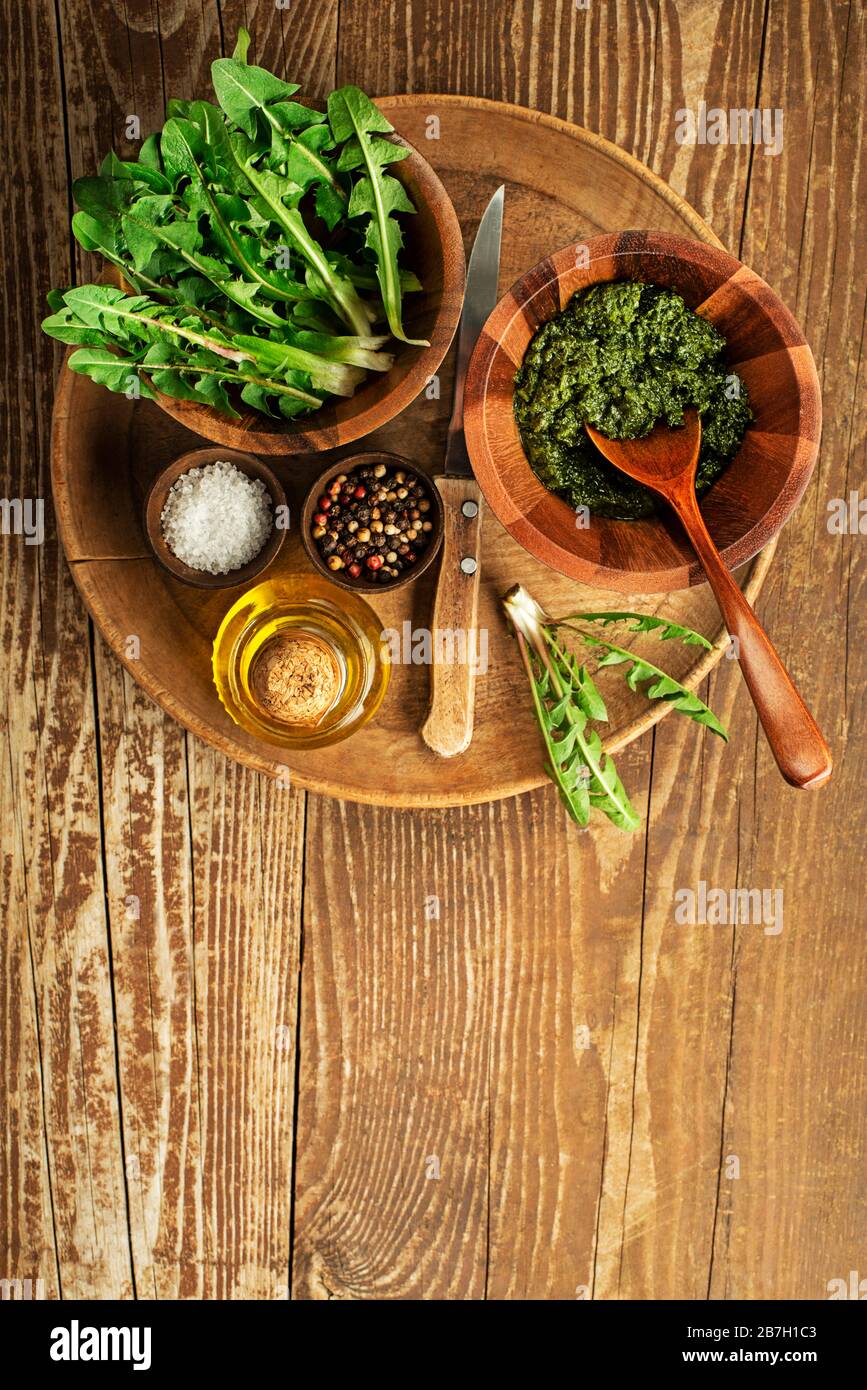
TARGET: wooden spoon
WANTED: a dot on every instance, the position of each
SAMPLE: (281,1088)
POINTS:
(665,460)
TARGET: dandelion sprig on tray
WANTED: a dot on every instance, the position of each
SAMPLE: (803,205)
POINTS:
(566,699)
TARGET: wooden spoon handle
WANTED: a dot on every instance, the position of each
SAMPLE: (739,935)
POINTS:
(448,727)
(800,750)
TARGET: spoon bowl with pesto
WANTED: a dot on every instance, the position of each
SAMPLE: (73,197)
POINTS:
(628,332)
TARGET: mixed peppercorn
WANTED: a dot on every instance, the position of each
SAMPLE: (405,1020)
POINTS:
(373,523)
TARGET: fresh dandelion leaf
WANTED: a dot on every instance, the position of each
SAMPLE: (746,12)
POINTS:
(299,137)
(242,45)
(149,154)
(214,356)
(352,115)
(661,685)
(382,152)
(276,197)
(664,628)
(565,700)
(292,115)
(243,89)
(135,172)
(116,373)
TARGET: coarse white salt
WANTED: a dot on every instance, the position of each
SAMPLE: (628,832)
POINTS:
(216,518)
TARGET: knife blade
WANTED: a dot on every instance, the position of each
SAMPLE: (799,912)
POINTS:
(481,295)
(456,650)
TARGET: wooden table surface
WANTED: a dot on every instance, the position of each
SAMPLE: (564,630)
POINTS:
(257,1044)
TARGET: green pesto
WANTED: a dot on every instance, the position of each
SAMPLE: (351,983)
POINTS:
(623,356)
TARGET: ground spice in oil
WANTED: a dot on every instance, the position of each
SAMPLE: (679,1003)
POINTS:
(296,678)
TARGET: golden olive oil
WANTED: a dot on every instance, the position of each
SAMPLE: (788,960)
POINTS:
(281,611)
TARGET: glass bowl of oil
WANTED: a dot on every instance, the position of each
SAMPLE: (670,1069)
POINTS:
(300,664)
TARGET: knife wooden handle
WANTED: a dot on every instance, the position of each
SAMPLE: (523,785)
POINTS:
(448,727)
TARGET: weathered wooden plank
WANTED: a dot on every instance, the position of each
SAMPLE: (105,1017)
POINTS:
(656,1219)
(148,874)
(564,1025)
(796,1090)
(247,850)
(63,1183)
(204,865)
(203,868)
(114,78)
(717,1003)
(656,1224)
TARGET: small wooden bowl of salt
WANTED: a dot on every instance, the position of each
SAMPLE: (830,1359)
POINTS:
(213,517)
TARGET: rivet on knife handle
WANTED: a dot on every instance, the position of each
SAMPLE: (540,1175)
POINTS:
(448,728)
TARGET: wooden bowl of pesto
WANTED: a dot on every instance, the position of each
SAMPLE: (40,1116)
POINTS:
(578,338)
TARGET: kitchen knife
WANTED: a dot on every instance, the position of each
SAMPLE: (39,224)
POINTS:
(448,728)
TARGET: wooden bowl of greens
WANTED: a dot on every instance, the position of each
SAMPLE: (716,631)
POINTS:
(623,331)
(285,279)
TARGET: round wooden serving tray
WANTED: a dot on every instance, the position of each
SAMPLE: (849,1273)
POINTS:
(562,184)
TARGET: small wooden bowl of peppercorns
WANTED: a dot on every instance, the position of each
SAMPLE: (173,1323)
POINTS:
(372,522)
